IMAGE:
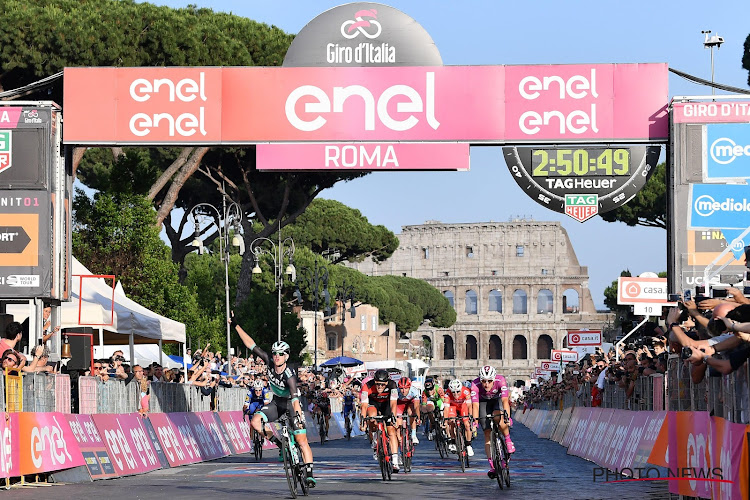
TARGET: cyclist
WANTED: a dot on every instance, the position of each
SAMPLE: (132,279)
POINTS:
(323,405)
(407,404)
(458,400)
(283,382)
(349,404)
(490,397)
(432,398)
(258,397)
(379,397)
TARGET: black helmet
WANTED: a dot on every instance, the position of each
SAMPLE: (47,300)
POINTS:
(429,384)
(381,376)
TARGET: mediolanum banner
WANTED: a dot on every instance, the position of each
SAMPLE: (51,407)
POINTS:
(588,103)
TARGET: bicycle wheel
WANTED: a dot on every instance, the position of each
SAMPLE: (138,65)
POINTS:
(302,475)
(505,463)
(409,451)
(497,457)
(460,448)
(348,426)
(381,456)
(442,442)
(291,474)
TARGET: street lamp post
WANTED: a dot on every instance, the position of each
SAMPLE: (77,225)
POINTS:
(277,252)
(231,215)
(316,279)
(346,292)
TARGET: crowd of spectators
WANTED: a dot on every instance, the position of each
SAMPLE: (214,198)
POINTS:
(711,336)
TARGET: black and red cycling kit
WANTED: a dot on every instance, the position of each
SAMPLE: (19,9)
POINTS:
(380,400)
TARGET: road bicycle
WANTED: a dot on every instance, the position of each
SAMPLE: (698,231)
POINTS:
(258,441)
(406,445)
(294,463)
(348,424)
(382,447)
(322,431)
(461,451)
(441,438)
(499,452)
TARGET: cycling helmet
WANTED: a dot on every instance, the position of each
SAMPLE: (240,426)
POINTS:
(258,385)
(280,347)
(348,393)
(455,385)
(404,383)
(429,384)
(487,373)
(381,376)
(467,384)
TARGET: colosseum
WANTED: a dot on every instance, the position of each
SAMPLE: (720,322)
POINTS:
(517,288)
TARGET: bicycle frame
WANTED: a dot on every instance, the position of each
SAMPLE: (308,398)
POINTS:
(382,447)
(499,451)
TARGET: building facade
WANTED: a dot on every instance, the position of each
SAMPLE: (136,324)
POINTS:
(517,288)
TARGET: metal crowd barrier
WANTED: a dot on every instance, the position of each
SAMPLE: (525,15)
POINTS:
(725,396)
(115,396)
(46,393)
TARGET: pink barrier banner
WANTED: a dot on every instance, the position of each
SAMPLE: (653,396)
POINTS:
(128,445)
(562,425)
(239,435)
(213,436)
(728,453)
(575,420)
(10,461)
(363,156)
(648,438)
(46,443)
(92,446)
(580,434)
(185,432)
(711,112)
(596,432)
(177,448)
(689,435)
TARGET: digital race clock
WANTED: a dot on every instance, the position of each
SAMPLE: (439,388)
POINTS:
(582,181)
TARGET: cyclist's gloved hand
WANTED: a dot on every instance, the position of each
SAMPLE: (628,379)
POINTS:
(299,421)
(510,422)
(474,424)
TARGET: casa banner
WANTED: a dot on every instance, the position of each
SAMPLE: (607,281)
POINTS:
(574,103)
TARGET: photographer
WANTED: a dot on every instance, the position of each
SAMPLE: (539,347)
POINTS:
(725,318)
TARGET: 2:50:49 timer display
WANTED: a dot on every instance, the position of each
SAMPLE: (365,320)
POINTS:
(580,162)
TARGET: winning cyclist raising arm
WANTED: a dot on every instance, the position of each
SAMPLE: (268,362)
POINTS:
(283,382)
(490,397)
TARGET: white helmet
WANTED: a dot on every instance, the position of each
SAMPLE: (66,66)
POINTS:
(455,385)
(258,385)
(348,393)
(280,347)
(487,373)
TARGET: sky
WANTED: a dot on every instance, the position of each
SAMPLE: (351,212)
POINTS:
(533,32)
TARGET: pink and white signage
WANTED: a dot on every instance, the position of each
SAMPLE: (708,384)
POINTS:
(584,338)
(711,112)
(363,156)
(239,434)
(475,104)
(46,444)
(128,445)
(10,462)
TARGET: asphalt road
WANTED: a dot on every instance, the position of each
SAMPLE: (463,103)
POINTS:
(346,469)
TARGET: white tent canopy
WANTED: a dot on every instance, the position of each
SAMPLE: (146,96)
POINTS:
(143,354)
(101,305)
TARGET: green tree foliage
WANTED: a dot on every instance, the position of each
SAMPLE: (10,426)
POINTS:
(117,235)
(746,57)
(649,207)
(407,302)
(41,37)
(331,226)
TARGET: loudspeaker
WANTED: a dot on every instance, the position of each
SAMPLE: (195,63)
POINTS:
(80,349)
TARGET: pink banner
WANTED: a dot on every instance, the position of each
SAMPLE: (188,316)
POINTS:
(648,438)
(689,435)
(194,452)
(213,435)
(46,443)
(363,156)
(10,461)
(587,420)
(711,112)
(477,104)
(128,445)
(239,434)
(728,453)
(597,431)
(579,416)
(92,446)
(177,448)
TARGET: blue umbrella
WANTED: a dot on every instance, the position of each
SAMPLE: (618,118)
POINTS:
(343,361)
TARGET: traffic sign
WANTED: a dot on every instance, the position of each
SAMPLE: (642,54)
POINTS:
(584,338)
(631,291)
(564,356)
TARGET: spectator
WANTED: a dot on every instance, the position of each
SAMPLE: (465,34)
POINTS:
(14,360)
(13,334)
(115,361)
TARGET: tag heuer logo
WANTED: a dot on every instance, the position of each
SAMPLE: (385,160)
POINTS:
(581,206)
(5,150)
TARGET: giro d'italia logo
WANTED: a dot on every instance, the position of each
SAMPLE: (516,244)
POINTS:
(365,23)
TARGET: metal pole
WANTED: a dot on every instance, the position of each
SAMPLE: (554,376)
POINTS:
(713,89)
(315,329)
(225,255)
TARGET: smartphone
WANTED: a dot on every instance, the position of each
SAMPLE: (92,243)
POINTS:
(687,295)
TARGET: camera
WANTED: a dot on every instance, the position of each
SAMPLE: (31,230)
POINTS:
(121,359)
(674,297)
(686,352)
